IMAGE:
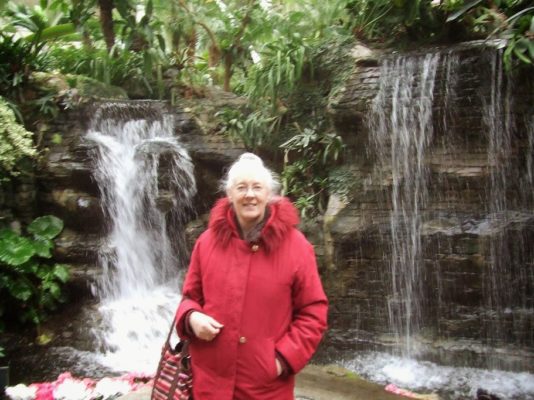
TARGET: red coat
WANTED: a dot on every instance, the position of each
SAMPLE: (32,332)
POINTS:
(269,298)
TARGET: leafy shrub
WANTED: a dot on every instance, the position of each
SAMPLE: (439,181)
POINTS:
(30,285)
(121,68)
(310,158)
(18,57)
(284,60)
(253,130)
(512,20)
(15,142)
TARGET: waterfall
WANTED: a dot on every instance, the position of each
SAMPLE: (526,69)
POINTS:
(509,207)
(146,181)
(453,170)
(401,129)
(530,153)
(497,118)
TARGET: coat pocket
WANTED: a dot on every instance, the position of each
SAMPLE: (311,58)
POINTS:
(258,360)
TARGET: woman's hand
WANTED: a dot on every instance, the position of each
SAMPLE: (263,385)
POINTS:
(278,367)
(204,327)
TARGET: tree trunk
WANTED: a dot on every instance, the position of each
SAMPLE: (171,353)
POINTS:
(191,46)
(106,21)
(228,63)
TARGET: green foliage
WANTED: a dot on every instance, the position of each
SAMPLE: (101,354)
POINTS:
(253,130)
(15,142)
(119,68)
(30,284)
(284,55)
(457,20)
(23,44)
(143,35)
(308,160)
(18,57)
(367,17)
(391,20)
(280,70)
(512,20)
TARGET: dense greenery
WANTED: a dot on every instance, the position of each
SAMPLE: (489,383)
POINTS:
(281,54)
(30,284)
(15,142)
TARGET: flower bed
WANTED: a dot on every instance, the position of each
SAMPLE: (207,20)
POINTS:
(67,387)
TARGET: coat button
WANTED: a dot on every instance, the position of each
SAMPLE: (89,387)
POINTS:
(255,248)
(242,340)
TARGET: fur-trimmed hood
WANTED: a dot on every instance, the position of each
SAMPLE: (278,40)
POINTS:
(283,216)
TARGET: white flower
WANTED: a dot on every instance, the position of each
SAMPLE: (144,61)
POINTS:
(72,389)
(21,392)
(108,387)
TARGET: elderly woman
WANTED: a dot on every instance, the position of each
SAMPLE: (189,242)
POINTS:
(253,305)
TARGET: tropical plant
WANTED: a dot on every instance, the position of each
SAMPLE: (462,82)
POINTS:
(15,142)
(18,58)
(306,176)
(22,44)
(30,284)
(367,17)
(512,20)
(42,22)
(281,68)
(253,130)
(227,26)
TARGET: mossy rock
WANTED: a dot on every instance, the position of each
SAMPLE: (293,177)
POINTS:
(88,87)
(85,87)
(49,81)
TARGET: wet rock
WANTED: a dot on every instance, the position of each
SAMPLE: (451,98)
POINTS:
(76,247)
(79,210)
(484,395)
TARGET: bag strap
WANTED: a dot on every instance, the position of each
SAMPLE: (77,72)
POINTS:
(185,343)
(173,325)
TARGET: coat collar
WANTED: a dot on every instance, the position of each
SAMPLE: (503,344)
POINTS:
(283,217)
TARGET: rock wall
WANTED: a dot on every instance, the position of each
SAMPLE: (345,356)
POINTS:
(476,222)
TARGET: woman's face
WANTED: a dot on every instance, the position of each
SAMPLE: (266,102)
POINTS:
(249,196)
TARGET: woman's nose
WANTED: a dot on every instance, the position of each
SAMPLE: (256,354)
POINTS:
(250,192)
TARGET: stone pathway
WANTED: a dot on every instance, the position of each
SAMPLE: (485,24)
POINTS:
(319,383)
(335,383)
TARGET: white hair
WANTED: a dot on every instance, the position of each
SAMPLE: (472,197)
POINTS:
(246,163)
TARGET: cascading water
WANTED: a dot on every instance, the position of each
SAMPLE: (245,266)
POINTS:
(138,162)
(510,260)
(401,125)
(412,125)
(497,115)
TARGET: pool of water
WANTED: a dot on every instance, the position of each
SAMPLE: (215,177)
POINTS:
(449,382)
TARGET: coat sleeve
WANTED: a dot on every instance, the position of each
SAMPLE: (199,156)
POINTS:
(192,294)
(310,307)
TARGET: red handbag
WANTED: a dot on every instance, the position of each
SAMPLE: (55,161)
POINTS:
(174,379)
